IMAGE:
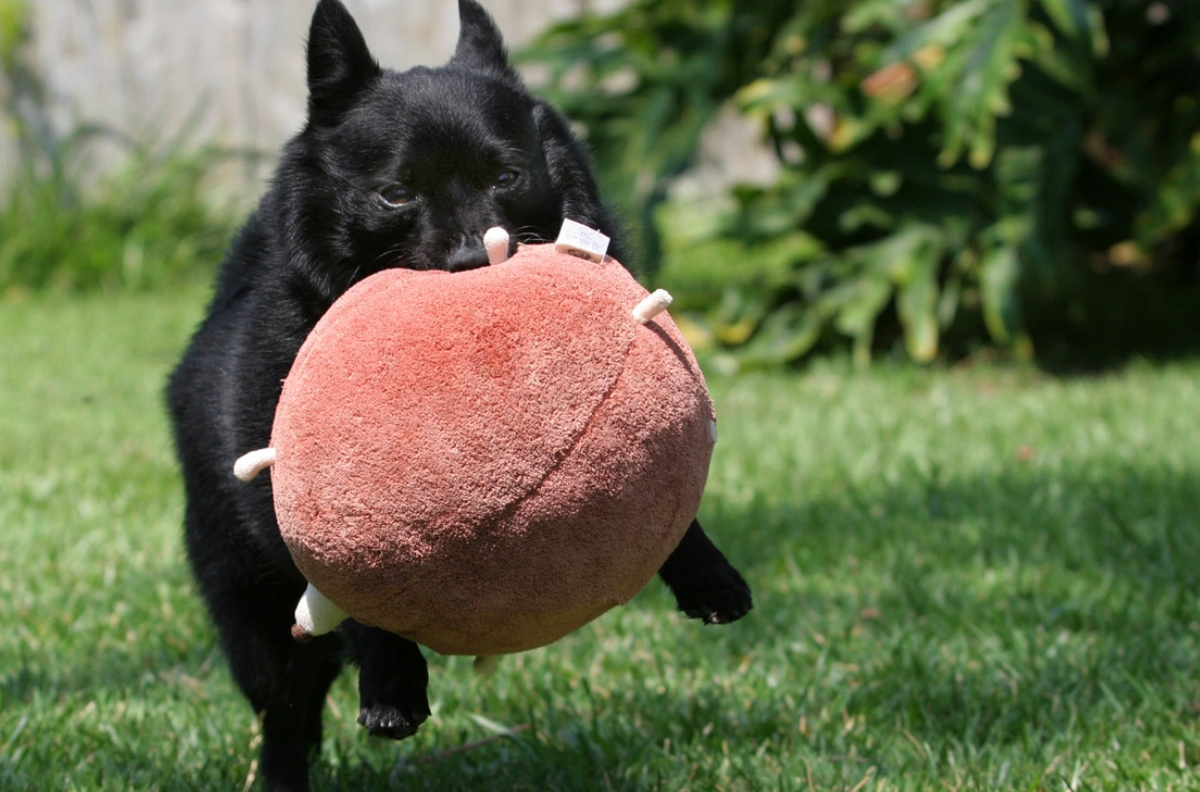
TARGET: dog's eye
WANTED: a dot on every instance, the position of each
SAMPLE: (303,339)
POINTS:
(508,178)
(395,195)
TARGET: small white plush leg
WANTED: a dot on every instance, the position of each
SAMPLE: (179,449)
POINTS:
(316,615)
(250,465)
(495,241)
(653,305)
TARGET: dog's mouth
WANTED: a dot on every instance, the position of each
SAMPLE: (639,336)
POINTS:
(494,246)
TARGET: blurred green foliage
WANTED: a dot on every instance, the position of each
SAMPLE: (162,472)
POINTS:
(1008,173)
(147,224)
(66,223)
(646,81)
(14,30)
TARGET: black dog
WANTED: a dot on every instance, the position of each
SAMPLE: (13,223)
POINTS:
(391,170)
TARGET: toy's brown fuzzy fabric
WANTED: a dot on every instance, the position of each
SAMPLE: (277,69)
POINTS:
(484,461)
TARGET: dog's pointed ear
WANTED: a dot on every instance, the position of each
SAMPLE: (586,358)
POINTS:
(339,64)
(480,45)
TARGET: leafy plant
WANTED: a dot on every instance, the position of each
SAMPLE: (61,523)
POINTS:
(948,169)
(647,80)
(148,223)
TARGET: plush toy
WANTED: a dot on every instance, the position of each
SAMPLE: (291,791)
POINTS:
(485,461)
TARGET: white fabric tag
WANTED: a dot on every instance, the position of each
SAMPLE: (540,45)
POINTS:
(577,239)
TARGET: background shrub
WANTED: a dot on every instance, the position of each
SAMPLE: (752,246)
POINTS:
(148,222)
(1024,175)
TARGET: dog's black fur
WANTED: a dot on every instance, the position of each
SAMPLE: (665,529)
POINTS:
(391,170)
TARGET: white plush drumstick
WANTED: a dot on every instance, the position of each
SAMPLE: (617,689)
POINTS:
(653,305)
(495,241)
(250,465)
(316,615)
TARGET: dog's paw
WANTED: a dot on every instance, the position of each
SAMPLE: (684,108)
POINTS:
(715,594)
(394,723)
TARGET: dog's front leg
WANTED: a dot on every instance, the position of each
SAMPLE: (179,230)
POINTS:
(392,681)
(705,584)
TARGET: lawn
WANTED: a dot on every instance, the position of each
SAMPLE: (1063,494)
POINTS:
(974,579)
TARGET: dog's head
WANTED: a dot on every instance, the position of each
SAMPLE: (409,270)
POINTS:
(409,169)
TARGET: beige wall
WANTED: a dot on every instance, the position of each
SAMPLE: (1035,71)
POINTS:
(231,72)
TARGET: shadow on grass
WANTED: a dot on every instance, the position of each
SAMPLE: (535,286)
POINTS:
(1008,610)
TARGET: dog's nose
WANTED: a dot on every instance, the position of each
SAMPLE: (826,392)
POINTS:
(467,257)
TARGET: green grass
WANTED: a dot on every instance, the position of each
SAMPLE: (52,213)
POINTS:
(982,579)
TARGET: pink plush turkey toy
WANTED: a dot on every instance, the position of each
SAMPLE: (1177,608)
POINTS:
(484,461)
